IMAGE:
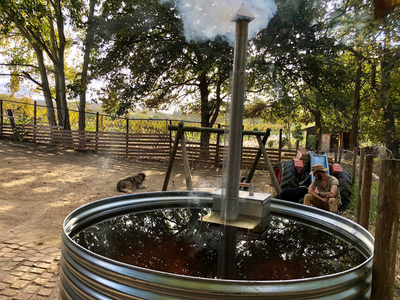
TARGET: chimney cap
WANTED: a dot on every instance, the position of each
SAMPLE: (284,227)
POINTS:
(243,14)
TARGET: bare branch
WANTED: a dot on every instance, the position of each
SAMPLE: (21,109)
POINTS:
(24,75)
(15,65)
(28,76)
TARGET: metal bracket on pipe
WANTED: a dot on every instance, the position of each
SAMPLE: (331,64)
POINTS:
(254,211)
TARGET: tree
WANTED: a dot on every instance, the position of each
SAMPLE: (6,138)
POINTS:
(298,133)
(281,109)
(390,59)
(84,78)
(146,61)
(295,54)
(41,25)
(358,56)
(373,45)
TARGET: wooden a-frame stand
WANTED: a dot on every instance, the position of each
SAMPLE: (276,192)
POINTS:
(180,136)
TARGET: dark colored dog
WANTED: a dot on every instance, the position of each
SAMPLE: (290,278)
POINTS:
(128,185)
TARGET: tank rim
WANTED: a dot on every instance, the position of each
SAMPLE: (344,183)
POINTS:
(183,194)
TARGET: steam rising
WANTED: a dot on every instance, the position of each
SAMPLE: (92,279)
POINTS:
(205,19)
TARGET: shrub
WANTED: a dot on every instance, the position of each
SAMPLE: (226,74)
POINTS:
(284,142)
(298,133)
(311,142)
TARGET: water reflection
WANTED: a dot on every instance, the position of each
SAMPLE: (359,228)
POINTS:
(176,241)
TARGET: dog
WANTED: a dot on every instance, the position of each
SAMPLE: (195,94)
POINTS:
(128,185)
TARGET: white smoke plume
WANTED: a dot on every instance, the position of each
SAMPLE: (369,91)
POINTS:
(205,19)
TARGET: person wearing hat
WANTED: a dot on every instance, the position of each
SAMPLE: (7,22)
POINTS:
(324,190)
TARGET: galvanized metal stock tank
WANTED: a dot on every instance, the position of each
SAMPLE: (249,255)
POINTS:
(86,275)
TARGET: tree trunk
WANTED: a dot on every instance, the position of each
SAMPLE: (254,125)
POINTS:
(387,65)
(63,94)
(356,106)
(45,86)
(287,134)
(205,114)
(60,116)
(318,129)
(217,107)
(85,65)
(57,54)
(390,129)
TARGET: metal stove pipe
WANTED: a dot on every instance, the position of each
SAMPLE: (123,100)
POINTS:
(230,211)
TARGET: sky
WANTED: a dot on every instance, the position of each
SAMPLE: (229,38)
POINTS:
(3,82)
(3,89)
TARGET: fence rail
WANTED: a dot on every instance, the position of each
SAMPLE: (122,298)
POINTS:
(155,144)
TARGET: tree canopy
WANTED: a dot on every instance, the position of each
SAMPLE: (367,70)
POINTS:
(324,62)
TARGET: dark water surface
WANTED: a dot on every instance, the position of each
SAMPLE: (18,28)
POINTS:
(175,241)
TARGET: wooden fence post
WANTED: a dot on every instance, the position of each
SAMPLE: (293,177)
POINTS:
(353,171)
(269,166)
(1,118)
(97,132)
(34,120)
(170,139)
(280,145)
(360,181)
(127,138)
(366,191)
(173,154)
(386,232)
(12,123)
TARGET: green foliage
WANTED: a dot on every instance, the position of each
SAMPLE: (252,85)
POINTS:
(33,45)
(145,39)
(374,199)
(21,131)
(284,142)
(298,133)
(301,67)
(311,142)
(270,144)
(354,190)
(298,70)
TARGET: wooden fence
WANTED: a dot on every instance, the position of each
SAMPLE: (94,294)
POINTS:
(124,138)
(155,146)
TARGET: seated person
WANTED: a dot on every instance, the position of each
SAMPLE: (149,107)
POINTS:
(323,191)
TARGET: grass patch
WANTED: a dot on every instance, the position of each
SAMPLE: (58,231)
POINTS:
(374,199)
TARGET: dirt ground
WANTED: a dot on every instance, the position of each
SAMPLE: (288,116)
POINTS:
(40,186)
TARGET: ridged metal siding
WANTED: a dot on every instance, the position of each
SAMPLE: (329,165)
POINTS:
(86,275)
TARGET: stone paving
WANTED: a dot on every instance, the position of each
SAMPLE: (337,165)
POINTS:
(28,271)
